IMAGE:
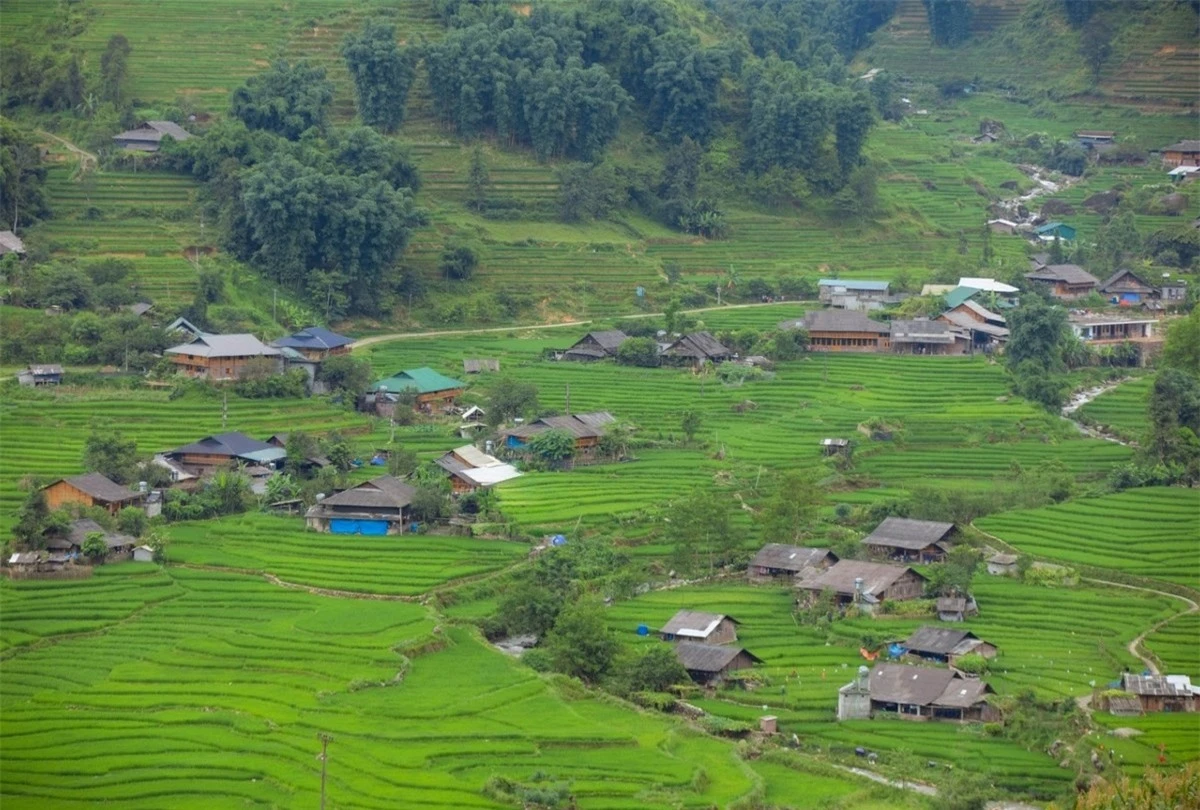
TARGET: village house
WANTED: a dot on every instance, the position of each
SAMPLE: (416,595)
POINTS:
(865,584)
(119,545)
(776,561)
(956,608)
(225,450)
(376,507)
(1002,565)
(596,346)
(43,565)
(842,293)
(140,308)
(695,625)
(1181,153)
(11,243)
(944,645)
(1161,693)
(587,428)
(923,336)
(1126,288)
(1055,230)
(985,327)
(479,365)
(1101,329)
(148,135)
(430,390)
(1172,292)
(47,374)
(916,693)
(1066,281)
(997,293)
(695,350)
(709,664)
(315,343)
(470,469)
(842,331)
(907,540)
(1005,226)
(92,489)
(222,357)
(1099,140)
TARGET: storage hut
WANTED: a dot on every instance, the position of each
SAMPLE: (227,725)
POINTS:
(1002,565)
(42,374)
(923,336)
(909,540)
(596,345)
(709,664)
(695,350)
(1160,693)
(147,136)
(1182,153)
(695,625)
(956,608)
(143,554)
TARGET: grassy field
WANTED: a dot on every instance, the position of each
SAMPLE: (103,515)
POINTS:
(1122,410)
(1153,532)
(211,688)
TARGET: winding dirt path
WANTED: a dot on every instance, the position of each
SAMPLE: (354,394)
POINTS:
(1135,646)
(85,157)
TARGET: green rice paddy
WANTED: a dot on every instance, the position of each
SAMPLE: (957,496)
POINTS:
(1122,410)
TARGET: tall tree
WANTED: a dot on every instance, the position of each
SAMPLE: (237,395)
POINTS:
(949,21)
(22,178)
(285,99)
(477,180)
(1038,338)
(1095,45)
(114,68)
(792,511)
(108,452)
(700,533)
(580,644)
(382,72)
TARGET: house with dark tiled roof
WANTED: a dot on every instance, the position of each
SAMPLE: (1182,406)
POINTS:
(845,293)
(41,374)
(1182,153)
(376,507)
(924,336)
(226,450)
(909,540)
(222,357)
(696,625)
(148,136)
(587,428)
(864,584)
(832,330)
(945,644)
(709,664)
(315,343)
(1066,281)
(922,693)
(596,345)
(696,349)
(777,561)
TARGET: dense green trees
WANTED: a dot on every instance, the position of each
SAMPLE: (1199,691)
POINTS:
(22,178)
(383,73)
(114,67)
(110,453)
(949,21)
(509,398)
(1039,335)
(285,99)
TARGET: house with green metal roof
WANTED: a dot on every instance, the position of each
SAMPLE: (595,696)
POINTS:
(431,388)
(1052,230)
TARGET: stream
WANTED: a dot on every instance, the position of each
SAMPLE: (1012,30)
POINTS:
(1083,397)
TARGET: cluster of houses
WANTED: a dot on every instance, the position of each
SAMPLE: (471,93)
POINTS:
(228,357)
(694,349)
(704,645)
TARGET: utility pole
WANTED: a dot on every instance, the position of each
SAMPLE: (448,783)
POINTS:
(275,304)
(568,406)
(224,409)
(324,738)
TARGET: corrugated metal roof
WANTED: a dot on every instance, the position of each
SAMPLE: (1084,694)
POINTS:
(313,337)
(790,558)
(386,491)
(937,640)
(694,623)
(854,284)
(422,380)
(241,345)
(840,577)
(838,320)
(1066,273)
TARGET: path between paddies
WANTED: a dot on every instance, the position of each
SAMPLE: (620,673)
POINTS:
(84,156)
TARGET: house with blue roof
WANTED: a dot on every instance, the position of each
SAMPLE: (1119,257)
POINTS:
(315,343)
(844,293)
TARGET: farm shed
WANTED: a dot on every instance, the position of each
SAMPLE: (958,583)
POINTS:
(696,349)
(148,135)
(48,374)
(315,343)
(864,583)
(470,469)
(11,243)
(843,293)
(708,664)
(143,554)
(945,644)
(923,693)
(909,540)
(695,625)
(1066,281)
(221,357)
(1091,138)
(479,365)
(841,331)
(1172,292)
(596,345)
(956,608)
(1126,288)
(923,336)
(375,507)
(1161,693)
(226,450)
(92,489)
(140,308)
(587,428)
(1002,226)
(778,561)
(1002,565)
(1181,153)
(854,699)
(431,389)
(835,447)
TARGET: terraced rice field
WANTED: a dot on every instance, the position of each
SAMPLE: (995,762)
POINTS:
(401,565)
(211,688)
(1152,532)
(1175,646)
(1085,639)
(1122,410)
(44,431)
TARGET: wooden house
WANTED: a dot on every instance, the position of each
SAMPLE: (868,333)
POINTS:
(119,545)
(1067,282)
(923,336)
(376,507)
(315,343)
(956,608)
(1161,693)
(1127,289)
(709,664)
(596,345)
(695,625)
(1182,153)
(587,428)
(11,243)
(926,693)
(429,389)
(1101,329)
(945,645)
(92,489)
(1172,292)
(695,350)
(469,469)
(843,293)
(225,450)
(147,136)
(984,327)
(42,374)
(863,583)
(907,540)
(222,357)
(1096,139)
(842,331)
(776,561)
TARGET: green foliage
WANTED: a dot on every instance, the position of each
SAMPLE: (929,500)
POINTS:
(552,445)
(1039,335)
(699,531)
(285,99)
(1175,422)
(382,73)
(132,520)
(345,373)
(108,452)
(791,513)
(955,575)
(114,68)
(949,22)
(261,381)
(655,670)
(459,262)
(337,449)
(509,398)
(227,492)
(94,548)
(690,423)
(529,608)
(477,180)
(431,503)
(580,643)
(22,192)
(1181,349)
(33,519)
(638,351)
(587,192)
